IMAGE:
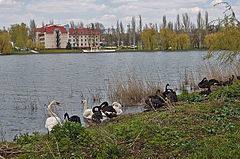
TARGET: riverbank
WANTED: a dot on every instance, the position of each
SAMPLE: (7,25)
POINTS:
(42,52)
(194,127)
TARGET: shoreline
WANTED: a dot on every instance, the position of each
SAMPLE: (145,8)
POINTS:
(124,51)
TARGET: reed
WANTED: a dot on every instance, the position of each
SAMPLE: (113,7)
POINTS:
(131,90)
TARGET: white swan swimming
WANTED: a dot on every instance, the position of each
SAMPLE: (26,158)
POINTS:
(53,119)
(87,113)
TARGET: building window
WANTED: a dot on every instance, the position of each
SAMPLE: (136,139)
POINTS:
(69,36)
(83,32)
(69,40)
(85,39)
(81,44)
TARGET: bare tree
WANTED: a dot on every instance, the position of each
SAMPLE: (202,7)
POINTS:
(51,22)
(118,33)
(164,21)
(72,24)
(178,24)
(134,30)
(140,29)
(32,30)
(186,22)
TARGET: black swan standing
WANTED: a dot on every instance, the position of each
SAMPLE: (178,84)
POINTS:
(108,110)
(170,94)
(155,100)
(73,118)
(97,114)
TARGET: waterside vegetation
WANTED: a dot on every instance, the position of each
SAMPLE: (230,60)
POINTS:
(195,127)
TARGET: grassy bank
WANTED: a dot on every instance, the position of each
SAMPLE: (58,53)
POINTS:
(196,127)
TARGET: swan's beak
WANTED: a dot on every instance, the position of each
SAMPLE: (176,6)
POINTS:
(58,104)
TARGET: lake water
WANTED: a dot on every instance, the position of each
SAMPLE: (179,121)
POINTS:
(28,83)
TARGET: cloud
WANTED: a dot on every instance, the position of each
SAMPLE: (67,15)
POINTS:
(191,10)
(106,11)
(64,7)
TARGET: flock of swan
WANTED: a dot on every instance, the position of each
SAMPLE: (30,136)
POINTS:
(105,110)
(95,114)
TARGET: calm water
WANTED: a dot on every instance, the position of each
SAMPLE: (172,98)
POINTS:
(29,82)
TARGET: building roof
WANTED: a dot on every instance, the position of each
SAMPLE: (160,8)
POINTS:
(83,31)
(49,29)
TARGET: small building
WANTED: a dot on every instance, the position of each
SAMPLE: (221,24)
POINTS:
(79,38)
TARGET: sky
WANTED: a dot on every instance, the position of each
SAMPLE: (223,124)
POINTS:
(107,12)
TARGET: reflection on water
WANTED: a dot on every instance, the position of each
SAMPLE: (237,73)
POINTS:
(29,83)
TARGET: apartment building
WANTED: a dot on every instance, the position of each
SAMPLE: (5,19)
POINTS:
(79,38)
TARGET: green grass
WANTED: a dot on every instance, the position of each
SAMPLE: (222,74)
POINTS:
(197,127)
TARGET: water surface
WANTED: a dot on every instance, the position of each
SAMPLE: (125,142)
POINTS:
(28,83)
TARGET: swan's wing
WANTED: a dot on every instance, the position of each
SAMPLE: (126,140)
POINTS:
(88,114)
(51,122)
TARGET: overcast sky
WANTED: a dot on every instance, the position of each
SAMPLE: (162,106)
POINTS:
(106,12)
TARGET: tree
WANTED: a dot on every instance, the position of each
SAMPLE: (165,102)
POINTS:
(226,44)
(32,30)
(140,29)
(168,39)
(183,41)
(150,39)
(164,21)
(72,24)
(69,46)
(209,40)
(5,44)
(122,32)
(30,44)
(134,30)
(118,33)
(186,22)
(40,46)
(19,35)
(178,24)
(58,39)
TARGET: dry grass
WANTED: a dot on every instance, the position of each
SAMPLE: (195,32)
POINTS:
(132,90)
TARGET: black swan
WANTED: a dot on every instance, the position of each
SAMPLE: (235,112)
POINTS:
(229,82)
(170,94)
(204,83)
(97,114)
(155,100)
(214,82)
(206,92)
(73,118)
(108,110)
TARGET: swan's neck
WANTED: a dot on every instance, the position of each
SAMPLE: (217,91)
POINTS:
(85,106)
(50,112)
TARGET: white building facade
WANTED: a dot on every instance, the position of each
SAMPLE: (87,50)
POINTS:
(81,38)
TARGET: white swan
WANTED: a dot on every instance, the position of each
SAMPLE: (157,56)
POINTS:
(54,119)
(117,106)
(87,113)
